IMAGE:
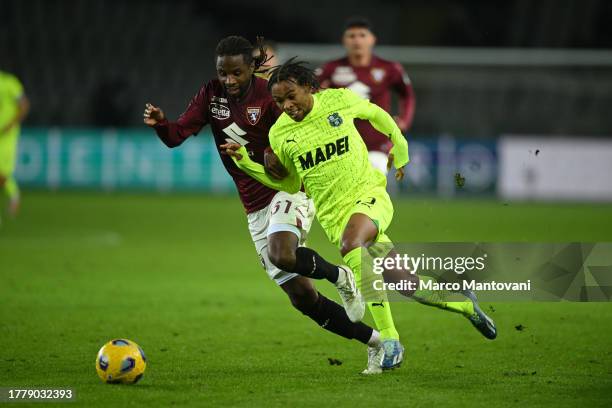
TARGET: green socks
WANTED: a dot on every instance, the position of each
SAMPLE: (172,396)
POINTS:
(436,298)
(11,188)
(380,310)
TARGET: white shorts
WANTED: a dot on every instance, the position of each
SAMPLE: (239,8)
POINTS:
(286,212)
(379,160)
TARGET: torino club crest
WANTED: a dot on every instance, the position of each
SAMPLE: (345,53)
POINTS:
(253,114)
(378,74)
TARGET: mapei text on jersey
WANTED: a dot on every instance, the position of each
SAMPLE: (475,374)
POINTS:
(339,147)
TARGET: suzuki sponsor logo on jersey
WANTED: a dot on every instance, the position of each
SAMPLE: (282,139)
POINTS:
(360,89)
(253,114)
(321,154)
(219,111)
(378,74)
(343,75)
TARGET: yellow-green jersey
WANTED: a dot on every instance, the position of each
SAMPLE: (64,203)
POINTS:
(326,153)
(11,92)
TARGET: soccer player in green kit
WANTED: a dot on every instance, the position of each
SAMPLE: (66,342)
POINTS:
(317,142)
(14,107)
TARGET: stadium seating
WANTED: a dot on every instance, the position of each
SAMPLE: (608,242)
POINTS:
(82,71)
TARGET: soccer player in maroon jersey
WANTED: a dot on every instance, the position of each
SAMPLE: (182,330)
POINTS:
(372,78)
(238,108)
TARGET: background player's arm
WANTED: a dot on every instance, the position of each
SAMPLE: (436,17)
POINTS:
(407,101)
(188,124)
(291,183)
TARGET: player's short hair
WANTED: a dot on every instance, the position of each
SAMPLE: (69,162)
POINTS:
(238,45)
(295,71)
(358,22)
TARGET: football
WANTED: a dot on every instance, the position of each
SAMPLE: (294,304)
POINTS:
(121,361)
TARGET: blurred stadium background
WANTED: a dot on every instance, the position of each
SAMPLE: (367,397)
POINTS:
(515,96)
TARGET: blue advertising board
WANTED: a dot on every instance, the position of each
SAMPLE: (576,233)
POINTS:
(135,159)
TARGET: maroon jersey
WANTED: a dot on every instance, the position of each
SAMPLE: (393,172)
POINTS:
(246,121)
(374,82)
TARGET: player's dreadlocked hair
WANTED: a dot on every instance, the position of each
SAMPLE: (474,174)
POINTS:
(237,45)
(295,71)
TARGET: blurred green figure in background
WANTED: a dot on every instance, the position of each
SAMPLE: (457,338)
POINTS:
(14,107)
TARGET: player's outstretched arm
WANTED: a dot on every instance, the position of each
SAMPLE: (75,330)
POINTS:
(189,123)
(291,183)
(384,123)
(407,100)
(274,167)
(153,115)
(169,133)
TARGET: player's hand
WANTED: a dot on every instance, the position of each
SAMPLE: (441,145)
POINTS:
(230,150)
(273,165)
(153,115)
(399,173)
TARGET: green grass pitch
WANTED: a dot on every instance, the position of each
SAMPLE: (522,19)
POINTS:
(178,274)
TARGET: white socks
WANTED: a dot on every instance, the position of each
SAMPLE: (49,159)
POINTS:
(375,339)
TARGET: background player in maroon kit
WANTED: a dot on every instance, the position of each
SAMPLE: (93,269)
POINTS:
(372,78)
(238,108)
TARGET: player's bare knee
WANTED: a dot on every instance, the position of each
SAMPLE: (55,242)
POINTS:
(281,250)
(283,258)
(2,181)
